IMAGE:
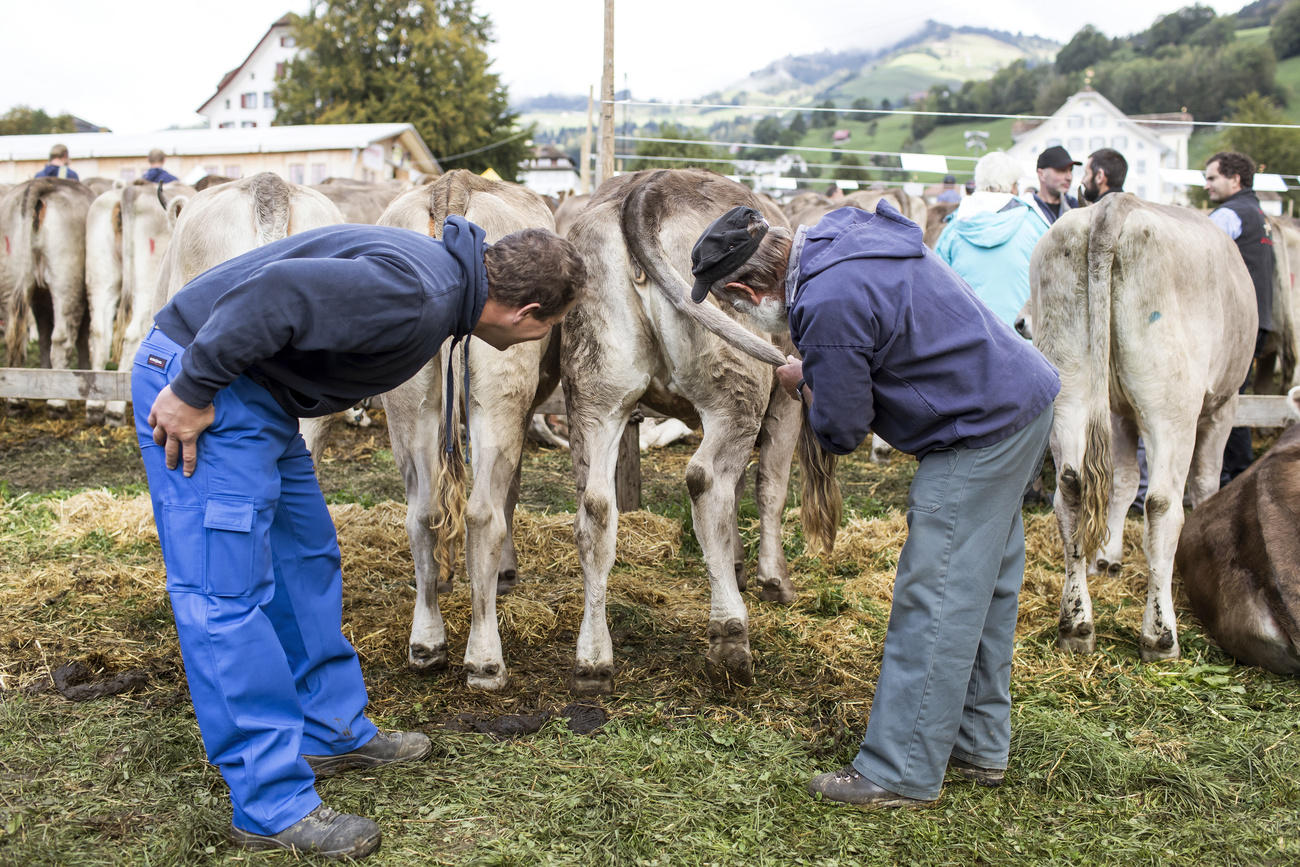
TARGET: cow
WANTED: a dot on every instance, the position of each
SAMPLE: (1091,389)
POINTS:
(503,389)
(359,201)
(936,218)
(1277,364)
(43,222)
(1239,559)
(568,211)
(225,220)
(1141,350)
(635,336)
(127,232)
(806,208)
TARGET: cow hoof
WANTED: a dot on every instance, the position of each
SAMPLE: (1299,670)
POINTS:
(1110,566)
(506,581)
(1079,639)
(112,420)
(591,679)
(56,409)
(780,592)
(742,580)
(427,659)
(95,417)
(491,677)
(729,660)
(444,586)
(1154,650)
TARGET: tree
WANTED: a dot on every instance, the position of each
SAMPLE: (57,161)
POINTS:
(1278,149)
(422,62)
(1085,48)
(798,125)
(1285,32)
(672,155)
(768,130)
(25,120)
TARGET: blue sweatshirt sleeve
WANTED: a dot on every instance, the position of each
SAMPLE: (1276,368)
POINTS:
(369,304)
(836,339)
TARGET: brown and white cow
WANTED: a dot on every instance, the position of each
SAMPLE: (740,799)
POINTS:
(1239,559)
(43,223)
(504,387)
(1141,349)
(635,336)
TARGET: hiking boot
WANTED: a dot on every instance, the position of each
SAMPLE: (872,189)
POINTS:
(321,832)
(991,777)
(385,748)
(849,787)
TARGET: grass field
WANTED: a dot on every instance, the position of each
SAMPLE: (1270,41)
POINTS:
(1191,761)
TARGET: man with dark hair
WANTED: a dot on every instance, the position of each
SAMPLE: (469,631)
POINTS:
(1055,172)
(302,327)
(57,167)
(893,340)
(1229,183)
(949,193)
(1103,172)
(156,173)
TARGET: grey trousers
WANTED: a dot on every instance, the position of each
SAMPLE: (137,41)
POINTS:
(945,681)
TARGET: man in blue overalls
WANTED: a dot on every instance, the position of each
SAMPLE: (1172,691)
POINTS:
(301,327)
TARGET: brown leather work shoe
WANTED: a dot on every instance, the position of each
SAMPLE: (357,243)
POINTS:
(849,787)
(385,748)
(321,832)
(990,777)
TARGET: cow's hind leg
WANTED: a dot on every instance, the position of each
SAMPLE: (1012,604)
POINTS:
(776,444)
(711,479)
(1124,434)
(1075,631)
(737,543)
(1169,454)
(1207,458)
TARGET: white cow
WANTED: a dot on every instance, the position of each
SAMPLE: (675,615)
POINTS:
(635,336)
(504,388)
(43,271)
(1142,350)
(359,201)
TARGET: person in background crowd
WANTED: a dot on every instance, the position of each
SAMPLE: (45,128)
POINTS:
(1229,183)
(1055,172)
(950,193)
(1103,173)
(57,167)
(156,173)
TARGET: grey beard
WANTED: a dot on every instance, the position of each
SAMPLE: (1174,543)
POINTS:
(769,314)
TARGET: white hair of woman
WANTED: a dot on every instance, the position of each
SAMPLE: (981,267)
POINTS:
(998,172)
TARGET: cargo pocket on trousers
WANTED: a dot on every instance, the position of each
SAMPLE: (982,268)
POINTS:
(182,535)
(230,543)
(929,486)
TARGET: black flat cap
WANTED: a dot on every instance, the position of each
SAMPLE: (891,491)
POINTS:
(1056,157)
(725,245)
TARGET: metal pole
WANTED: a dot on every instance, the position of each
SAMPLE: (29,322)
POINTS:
(607,100)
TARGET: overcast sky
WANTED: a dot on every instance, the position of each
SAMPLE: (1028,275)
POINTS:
(120,64)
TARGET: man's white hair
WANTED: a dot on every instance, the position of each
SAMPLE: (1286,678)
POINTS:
(997,172)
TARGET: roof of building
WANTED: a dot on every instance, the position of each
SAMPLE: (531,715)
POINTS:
(198,142)
(283,21)
(1152,130)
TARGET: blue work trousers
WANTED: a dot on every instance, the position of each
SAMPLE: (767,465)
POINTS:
(945,679)
(253,571)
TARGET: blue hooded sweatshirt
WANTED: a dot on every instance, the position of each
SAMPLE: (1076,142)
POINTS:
(893,340)
(327,317)
(991,251)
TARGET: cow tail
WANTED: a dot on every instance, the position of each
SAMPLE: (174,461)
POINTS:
(822,504)
(126,287)
(449,503)
(1097,474)
(29,222)
(270,207)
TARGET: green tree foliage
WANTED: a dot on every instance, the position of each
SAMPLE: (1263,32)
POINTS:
(824,119)
(1285,32)
(422,62)
(798,125)
(1085,48)
(679,156)
(25,120)
(768,130)
(1176,28)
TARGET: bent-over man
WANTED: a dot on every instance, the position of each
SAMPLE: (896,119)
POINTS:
(893,340)
(302,327)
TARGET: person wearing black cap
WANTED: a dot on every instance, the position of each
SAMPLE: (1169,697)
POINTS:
(950,192)
(1055,173)
(893,340)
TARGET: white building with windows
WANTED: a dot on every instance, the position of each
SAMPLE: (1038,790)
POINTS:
(1154,145)
(549,171)
(244,97)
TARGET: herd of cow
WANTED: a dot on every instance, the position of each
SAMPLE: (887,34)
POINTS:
(1146,310)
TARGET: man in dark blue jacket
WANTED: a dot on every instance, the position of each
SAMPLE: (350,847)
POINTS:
(57,167)
(302,327)
(892,339)
(156,173)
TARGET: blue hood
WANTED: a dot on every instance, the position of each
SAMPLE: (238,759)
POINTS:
(852,233)
(992,228)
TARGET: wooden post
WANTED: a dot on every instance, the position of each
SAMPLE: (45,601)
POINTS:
(584,171)
(607,100)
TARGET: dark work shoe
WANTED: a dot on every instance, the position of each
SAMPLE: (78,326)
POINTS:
(991,777)
(849,787)
(321,832)
(385,748)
